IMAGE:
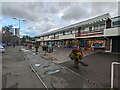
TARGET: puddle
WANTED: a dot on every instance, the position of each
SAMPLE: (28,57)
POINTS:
(24,50)
(34,53)
(46,66)
(37,65)
(51,71)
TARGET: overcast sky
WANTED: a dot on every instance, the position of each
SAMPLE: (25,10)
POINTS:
(46,16)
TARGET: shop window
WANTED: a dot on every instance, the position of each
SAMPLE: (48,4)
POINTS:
(102,26)
(76,31)
(79,29)
(73,31)
(108,23)
(82,30)
(90,29)
(63,32)
(60,33)
(99,27)
(96,27)
(57,34)
(116,23)
(67,32)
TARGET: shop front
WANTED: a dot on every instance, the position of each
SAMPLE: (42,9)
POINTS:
(90,44)
(71,43)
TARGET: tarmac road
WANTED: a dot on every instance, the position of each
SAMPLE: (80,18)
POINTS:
(16,71)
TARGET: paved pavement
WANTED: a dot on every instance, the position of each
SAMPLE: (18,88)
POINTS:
(98,69)
(16,71)
(57,76)
(99,65)
(60,54)
(0,71)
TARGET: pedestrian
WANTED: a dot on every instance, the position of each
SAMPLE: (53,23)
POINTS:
(45,49)
(14,45)
(76,55)
(30,46)
(36,48)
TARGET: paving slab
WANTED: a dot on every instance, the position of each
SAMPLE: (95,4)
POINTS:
(57,76)
(61,54)
(99,68)
(16,71)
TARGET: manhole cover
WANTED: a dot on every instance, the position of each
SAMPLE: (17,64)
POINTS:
(51,71)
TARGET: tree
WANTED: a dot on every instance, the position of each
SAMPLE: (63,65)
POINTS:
(26,39)
(6,34)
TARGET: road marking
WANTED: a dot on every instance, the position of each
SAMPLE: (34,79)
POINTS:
(38,76)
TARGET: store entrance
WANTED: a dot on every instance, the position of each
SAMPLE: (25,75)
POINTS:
(115,44)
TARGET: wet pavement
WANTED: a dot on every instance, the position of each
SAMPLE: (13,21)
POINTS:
(60,54)
(98,69)
(16,72)
(0,71)
(57,76)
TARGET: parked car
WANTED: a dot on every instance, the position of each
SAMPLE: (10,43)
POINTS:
(2,49)
(2,44)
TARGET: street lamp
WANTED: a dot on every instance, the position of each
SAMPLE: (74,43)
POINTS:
(19,29)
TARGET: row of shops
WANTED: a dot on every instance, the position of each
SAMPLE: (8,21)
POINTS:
(109,44)
(85,44)
(90,38)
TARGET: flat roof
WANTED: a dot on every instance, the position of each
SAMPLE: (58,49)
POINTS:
(96,18)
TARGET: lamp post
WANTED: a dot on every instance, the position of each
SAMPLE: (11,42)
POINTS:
(19,29)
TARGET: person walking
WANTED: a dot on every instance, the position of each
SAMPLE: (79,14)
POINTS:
(30,46)
(76,55)
(14,45)
(44,49)
(36,48)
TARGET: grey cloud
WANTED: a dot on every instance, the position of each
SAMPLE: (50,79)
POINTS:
(74,12)
(27,10)
(19,10)
(102,7)
(43,15)
(79,11)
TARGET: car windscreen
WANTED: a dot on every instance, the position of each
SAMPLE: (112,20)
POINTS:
(1,46)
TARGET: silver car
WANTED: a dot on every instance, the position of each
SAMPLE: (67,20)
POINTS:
(2,49)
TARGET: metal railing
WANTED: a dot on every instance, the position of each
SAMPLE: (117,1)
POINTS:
(112,72)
